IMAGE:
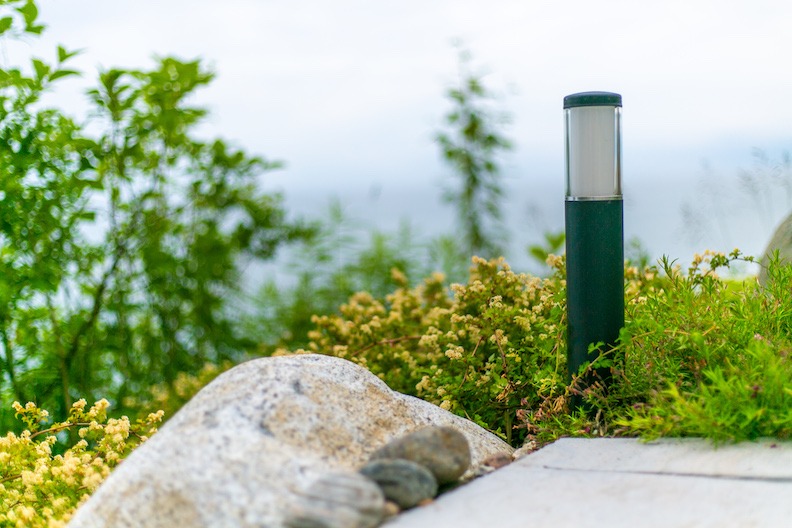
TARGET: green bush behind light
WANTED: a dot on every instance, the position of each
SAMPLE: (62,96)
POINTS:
(698,356)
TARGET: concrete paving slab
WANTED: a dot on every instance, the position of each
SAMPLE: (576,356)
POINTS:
(618,482)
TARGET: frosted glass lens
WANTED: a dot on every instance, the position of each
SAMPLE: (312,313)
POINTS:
(593,163)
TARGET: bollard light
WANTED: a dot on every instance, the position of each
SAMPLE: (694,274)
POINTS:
(594,227)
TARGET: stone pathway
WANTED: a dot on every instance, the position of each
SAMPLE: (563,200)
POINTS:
(624,483)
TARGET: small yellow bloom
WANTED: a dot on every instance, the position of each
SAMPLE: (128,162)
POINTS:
(454,352)
(554,261)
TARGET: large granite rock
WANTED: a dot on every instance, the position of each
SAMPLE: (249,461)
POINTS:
(245,448)
(781,242)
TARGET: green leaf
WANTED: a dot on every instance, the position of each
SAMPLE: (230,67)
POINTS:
(30,12)
(63,73)
(42,69)
(64,54)
(5,24)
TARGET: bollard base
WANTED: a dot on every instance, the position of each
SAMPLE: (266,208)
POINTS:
(595,282)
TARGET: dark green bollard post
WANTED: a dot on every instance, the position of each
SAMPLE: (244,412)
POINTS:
(594,228)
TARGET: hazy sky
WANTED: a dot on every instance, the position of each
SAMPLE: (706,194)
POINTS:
(350,92)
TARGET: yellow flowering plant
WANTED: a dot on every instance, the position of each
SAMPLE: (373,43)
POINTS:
(42,481)
(483,350)
(699,354)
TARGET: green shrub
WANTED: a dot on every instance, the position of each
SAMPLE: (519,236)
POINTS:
(709,357)
(494,348)
(699,355)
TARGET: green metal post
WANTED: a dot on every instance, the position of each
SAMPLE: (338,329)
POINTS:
(595,276)
(594,229)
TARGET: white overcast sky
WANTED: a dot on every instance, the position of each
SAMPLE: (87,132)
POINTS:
(350,92)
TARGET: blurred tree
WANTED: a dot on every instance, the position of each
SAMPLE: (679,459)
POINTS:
(340,259)
(119,252)
(471,145)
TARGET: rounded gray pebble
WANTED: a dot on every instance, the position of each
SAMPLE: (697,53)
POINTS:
(338,500)
(402,481)
(442,450)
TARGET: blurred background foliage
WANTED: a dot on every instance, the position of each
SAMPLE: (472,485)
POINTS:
(123,236)
(120,239)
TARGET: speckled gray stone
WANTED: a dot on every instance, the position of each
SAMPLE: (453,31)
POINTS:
(338,500)
(243,449)
(402,481)
(442,450)
(781,241)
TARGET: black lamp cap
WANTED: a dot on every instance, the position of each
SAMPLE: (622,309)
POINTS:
(592,99)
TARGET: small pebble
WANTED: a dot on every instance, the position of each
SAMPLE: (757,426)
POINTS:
(391,509)
(338,500)
(402,481)
(527,448)
(498,460)
(442,450)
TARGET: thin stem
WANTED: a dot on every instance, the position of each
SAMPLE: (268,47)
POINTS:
(60,427)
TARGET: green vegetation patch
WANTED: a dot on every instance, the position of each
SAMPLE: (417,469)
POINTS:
(698,356)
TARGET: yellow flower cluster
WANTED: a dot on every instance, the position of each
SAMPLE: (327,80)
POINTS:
(39,489)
